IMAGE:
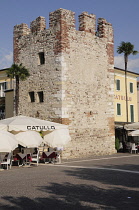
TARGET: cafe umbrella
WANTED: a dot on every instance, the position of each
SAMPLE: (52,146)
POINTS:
(7,141)
(21,123)
(134,133)
(24,123)
(29,139)
(57,138)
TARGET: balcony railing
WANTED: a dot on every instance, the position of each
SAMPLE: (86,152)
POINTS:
(6,86)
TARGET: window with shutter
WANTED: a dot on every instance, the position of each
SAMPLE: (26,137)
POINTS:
(118,109)
(132,113)
(131,87)
(117,84)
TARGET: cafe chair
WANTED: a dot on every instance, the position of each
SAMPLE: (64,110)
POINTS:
(58,158)
(133,148)
(7,161)
(35,158)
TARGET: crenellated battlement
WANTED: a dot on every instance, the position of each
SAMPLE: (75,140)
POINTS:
(105,29)
(63,20)
(87,22)
(62,29)
(21,30)
(38,25)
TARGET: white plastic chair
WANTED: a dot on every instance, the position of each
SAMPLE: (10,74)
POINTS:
(58,158)
(7,161)
(133,148)
(35,158)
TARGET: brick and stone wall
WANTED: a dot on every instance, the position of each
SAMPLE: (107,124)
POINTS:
(77,78)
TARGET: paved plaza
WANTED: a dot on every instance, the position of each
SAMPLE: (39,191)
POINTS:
(108,182)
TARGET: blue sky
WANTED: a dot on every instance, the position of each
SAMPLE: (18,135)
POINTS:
(123,14)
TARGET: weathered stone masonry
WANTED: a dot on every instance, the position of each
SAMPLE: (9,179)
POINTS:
(76,79)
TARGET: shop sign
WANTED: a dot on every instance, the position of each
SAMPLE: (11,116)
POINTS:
(120,97)
(40,128)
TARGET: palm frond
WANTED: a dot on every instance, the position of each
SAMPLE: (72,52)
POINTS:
(135,52)
(127,48)
(18,70)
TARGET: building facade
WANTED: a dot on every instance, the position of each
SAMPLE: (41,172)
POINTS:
(138,97)
(6,85)
(72,78)
(120,96)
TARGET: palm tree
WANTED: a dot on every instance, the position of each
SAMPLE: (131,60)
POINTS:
(127,48)
(17,72)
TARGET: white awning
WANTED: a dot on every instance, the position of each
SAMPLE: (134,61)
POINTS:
(132,126)
(23,123)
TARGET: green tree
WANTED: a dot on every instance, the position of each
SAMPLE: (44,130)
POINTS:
(17,72)
(117,144)
(127,49)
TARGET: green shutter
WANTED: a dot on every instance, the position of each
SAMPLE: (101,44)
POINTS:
(118,109)
(132,113)
(117,84)
(131,87)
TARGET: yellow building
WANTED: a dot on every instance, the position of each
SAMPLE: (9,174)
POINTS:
(120,96)
(6,88)
(138,97)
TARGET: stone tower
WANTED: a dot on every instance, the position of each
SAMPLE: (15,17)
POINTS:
(72,80)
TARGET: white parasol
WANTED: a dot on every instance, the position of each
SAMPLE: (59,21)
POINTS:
(134,133)
(57,138)
(23,123)
(7,141)
(132,126)
(29,139)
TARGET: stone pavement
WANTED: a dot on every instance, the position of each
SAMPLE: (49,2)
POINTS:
(108,182)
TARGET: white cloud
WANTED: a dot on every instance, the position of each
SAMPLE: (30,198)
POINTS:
(6,58)
(9,57)
(133,64)
(119,61)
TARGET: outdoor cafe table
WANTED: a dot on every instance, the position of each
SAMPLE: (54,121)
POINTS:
(49,155)
(22,158)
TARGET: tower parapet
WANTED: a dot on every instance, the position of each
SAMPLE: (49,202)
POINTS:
(87,22)
(62,19)
(61,23)
(105,29)
(38,25)
(21,30)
